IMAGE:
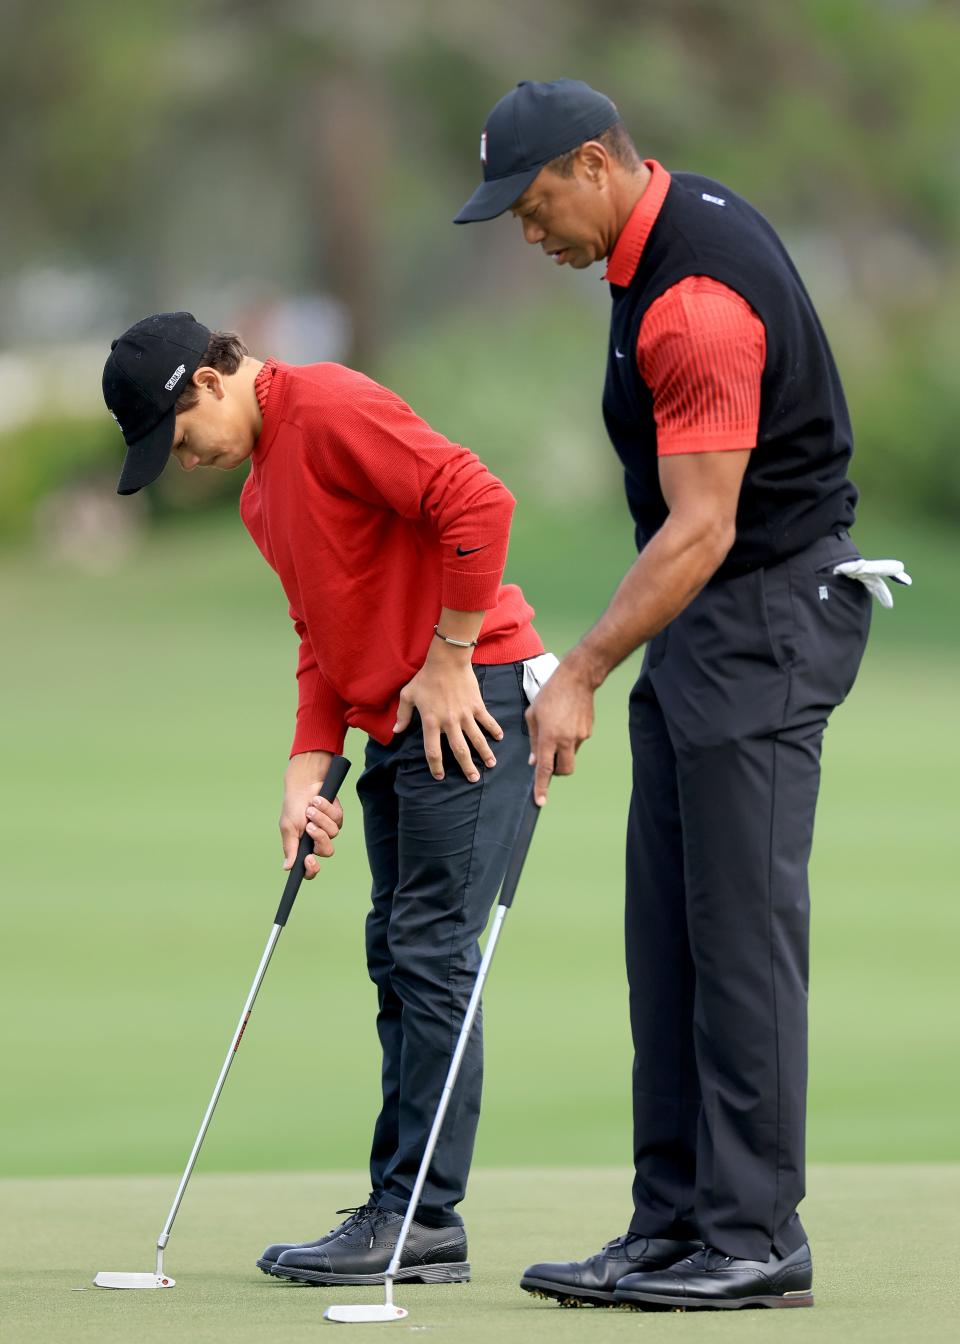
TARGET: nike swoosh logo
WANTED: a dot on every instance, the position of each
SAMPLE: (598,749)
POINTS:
(461,551)
(618,354)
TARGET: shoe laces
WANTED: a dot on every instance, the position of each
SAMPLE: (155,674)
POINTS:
(617,1243)
(358,1216)
(624,1241)
(707,1258)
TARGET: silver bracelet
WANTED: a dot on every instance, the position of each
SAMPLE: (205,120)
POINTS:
(457,643)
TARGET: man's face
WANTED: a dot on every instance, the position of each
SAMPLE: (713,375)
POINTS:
(567,216)
(216,432)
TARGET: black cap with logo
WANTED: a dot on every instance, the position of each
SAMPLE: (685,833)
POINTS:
(533,124)
(147,369)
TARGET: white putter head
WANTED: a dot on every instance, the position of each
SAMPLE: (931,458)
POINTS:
(361,1315)
(107,1279)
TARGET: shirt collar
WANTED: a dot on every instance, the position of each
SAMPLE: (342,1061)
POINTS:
(628,249)
(264,381)
(264,385)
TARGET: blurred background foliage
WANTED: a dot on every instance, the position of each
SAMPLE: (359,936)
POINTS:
(291,170)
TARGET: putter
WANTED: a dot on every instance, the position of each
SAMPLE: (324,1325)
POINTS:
(389,1311)
(336,774)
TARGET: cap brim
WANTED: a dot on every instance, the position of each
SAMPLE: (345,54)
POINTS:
(148,456)
(492,198)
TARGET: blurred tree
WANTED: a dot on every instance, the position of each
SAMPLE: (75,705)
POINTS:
(230,155)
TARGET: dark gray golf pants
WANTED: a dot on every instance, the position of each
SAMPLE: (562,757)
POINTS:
(726,722)
(438,850)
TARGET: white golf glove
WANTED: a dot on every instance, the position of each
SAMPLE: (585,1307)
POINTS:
(871,573)
(537,672)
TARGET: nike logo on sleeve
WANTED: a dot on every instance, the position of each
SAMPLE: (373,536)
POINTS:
(470,551)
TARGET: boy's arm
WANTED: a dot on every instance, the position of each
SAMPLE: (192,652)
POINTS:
(319,735)
(447,695)
(391,457)
(382,452)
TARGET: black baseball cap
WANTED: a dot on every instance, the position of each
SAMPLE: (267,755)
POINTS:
(531,125)
(147,369)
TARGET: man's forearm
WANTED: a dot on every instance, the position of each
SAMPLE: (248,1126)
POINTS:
(664,578)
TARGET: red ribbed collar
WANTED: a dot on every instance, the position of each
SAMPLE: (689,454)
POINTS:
(263,383)
(628,249)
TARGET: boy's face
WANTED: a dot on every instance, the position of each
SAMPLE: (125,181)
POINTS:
(217,431)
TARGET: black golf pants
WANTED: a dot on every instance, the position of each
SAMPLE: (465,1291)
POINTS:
(438,850)
(726,722)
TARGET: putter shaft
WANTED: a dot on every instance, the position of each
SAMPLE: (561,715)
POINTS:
(518,854)
(336,774)
(452,1073)
(164,1236)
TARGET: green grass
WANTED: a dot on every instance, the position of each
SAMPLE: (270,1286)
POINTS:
(883,1239)
(147,715)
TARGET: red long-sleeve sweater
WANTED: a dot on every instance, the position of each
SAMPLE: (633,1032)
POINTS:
(373,522)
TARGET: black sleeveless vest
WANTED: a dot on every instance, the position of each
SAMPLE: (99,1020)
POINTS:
(795,489)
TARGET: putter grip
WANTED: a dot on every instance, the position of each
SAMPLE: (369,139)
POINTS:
(336,774)
(518,853)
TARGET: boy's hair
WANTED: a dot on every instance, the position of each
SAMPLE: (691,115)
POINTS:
(615,140)
(225,353)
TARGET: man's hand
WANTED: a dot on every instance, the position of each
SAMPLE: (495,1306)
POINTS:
(303,809)
(701,490)
(559,719)
(447,695)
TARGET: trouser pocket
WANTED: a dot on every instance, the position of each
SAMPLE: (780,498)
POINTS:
(832,619)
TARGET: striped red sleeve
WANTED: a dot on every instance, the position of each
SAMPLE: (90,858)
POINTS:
(701,350)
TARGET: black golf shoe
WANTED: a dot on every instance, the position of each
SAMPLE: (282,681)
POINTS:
(273,1253)
(591,1282)
(709,1278)
(361,1253)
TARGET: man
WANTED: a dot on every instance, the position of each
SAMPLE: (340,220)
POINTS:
(724,405)
(390,543)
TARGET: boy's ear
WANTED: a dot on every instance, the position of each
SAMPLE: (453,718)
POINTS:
(210,380)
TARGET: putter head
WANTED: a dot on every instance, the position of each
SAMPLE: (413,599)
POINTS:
(363,1315)
(107,1279)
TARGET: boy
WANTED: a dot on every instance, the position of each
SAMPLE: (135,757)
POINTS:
(390,543)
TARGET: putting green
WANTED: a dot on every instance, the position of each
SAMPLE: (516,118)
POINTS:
(883,1237)
(142,768)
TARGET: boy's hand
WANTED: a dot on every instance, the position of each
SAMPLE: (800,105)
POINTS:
(303,809)
(447,695)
